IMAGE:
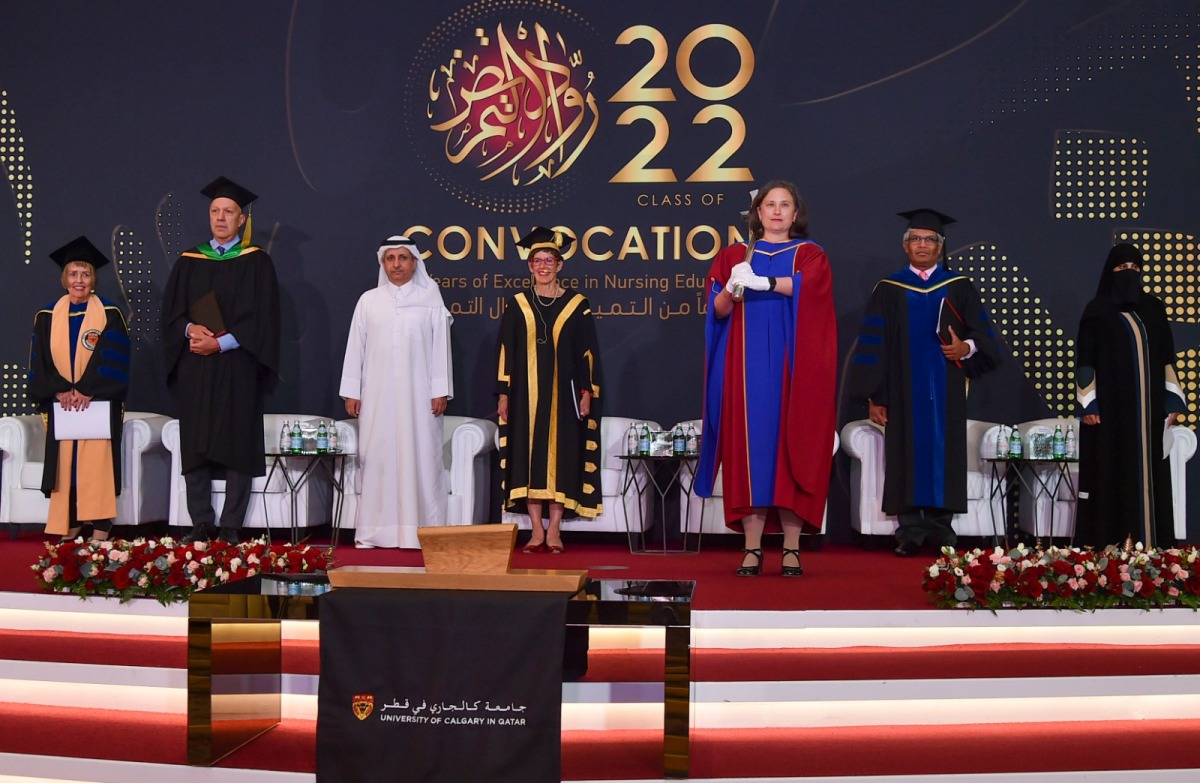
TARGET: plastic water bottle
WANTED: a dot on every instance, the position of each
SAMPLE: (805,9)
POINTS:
(678,442)
(297,440)
(1059,443)
(1072,443)
(644,441)
(322,439)
(692,445)
(285,439)
(1014,444)
(631,441)
(333,438)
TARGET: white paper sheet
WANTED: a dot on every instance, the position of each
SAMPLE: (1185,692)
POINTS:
(91,424)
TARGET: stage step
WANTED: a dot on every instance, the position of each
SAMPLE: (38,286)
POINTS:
(750,669)
(861,677)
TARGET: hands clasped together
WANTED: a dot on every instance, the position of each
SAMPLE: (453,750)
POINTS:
(202,341)
(743,275)
(73,400)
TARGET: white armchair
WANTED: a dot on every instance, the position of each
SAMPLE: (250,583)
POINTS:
(270,502)
(863,441)
(707,515)
(467,443)
(1179,445)
(145,466)
(621,513)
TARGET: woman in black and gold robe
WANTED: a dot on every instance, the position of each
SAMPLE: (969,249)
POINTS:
(80,354)
(548,389)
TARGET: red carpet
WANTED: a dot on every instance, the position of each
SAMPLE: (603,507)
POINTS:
(836,576)
(616,755)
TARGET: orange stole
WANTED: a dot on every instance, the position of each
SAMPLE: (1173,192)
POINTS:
(95,493)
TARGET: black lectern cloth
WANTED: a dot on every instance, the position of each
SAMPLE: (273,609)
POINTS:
(434,686)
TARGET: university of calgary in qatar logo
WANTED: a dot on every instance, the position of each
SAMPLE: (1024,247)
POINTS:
(501,103)
(362,704)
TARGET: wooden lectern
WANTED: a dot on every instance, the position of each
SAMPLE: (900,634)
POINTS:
(477,557)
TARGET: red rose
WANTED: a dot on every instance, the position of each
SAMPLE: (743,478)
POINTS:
(70,571)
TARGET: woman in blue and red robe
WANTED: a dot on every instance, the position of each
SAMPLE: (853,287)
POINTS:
(770,376)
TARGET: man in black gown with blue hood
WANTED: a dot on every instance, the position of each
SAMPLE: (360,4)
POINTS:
(924,333)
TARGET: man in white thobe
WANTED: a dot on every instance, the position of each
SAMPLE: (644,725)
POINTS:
(396,379)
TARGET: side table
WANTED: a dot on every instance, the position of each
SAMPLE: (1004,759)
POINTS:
(644,474)
(334,464)
(1035,479)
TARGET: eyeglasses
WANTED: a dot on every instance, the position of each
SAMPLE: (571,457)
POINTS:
(924,240)
(543,261)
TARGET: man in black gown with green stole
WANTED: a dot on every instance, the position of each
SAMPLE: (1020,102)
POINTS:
(220,324)
(924,334)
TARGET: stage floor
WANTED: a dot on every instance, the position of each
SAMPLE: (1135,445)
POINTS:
(836,576)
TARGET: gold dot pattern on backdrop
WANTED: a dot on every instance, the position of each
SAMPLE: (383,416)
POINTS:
(1189,65)
(17,171)
(1187,369)
(1035,340)
(12,391)
(134,270)
(1170,269)
(1098,176)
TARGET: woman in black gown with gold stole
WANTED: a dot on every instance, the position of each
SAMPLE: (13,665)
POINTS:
(79,354)
(549,398)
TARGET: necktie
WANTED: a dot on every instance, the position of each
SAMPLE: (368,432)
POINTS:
(925,274)
(220,250)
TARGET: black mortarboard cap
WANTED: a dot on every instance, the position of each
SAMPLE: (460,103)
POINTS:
(541,238)
(928,219)
(79,249)
(222,187)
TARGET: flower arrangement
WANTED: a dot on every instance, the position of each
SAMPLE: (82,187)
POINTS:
(1076,579)
(162,569)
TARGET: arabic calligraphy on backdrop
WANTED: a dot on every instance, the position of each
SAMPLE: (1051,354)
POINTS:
(514,105)
(501,104)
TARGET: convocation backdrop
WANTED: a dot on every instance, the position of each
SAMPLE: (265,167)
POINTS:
(1049,128)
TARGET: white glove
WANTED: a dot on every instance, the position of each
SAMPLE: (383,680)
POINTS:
(738,276)
(744,275)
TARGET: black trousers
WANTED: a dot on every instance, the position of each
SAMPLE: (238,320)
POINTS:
(926,526)
(199,496)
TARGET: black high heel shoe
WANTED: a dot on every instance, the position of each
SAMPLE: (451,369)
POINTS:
(796,570)
(755,569)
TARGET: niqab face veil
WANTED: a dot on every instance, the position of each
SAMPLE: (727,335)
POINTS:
(1123,288)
